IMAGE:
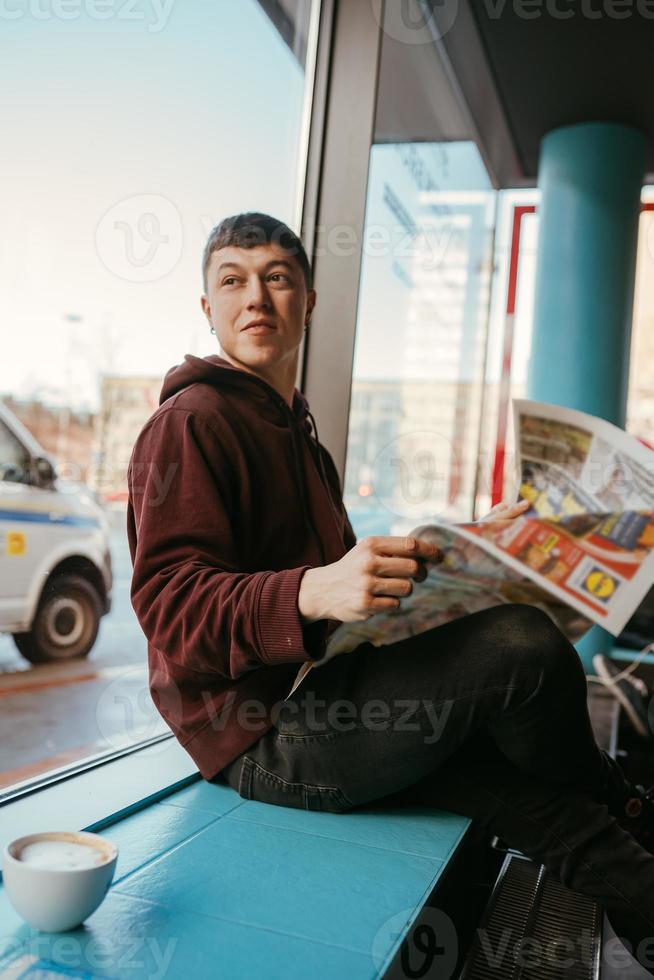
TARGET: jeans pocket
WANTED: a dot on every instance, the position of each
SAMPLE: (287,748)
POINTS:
(329,799)
(260,784)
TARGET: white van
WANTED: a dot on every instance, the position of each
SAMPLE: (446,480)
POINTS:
(55,563)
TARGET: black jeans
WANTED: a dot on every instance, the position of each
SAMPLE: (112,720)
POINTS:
(485,717)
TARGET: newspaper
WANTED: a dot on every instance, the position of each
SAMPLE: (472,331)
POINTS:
(583,551)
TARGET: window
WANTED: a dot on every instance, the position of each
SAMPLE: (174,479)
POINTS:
(128,133)
(14,458)
(417,396)
(418,381)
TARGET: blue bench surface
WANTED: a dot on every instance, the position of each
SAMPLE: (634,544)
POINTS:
(210,885)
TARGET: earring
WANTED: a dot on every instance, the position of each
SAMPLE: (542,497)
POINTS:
(211,330)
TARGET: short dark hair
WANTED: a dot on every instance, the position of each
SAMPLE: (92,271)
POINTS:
(252,228)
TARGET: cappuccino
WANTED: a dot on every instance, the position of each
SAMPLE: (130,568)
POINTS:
(61,855)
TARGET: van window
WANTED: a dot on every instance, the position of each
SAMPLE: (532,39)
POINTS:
(14,458)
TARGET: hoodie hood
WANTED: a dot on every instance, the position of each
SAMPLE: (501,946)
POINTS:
(217,371)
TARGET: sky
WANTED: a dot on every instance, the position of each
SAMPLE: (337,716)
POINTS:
(124,142)
(126,139)
(129,138)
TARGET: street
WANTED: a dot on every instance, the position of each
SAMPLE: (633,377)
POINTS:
(54,714)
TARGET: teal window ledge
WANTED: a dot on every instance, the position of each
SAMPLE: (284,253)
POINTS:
(210,885)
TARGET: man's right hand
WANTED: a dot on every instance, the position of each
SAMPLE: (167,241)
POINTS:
(371,578)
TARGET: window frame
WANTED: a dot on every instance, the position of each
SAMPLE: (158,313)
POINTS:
(335,198)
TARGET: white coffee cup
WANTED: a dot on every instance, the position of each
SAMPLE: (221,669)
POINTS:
(53,882)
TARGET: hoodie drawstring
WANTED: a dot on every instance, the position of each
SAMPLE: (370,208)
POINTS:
(323,474)
(321,465)
(299,477)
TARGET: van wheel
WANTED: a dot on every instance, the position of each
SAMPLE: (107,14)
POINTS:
(66,622)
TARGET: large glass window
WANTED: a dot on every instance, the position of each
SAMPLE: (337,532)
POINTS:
(417,399)
(129,130)
(418,382)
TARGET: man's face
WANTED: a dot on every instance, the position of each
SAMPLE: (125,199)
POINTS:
(258,304)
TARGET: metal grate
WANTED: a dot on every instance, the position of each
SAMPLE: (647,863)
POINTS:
(535,929)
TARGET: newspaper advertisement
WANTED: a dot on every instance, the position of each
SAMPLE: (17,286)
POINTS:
(583,551)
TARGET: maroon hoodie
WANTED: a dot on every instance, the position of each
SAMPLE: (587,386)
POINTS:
(231,500)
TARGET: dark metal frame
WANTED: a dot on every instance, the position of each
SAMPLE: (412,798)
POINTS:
(341,136)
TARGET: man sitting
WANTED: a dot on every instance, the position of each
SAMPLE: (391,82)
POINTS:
(244,563)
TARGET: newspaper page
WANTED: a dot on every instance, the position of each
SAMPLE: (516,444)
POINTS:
(583,551)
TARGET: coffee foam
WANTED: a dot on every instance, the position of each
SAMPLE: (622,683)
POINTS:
(62,851)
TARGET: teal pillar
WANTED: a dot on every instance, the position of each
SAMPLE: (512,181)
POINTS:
(590,178)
